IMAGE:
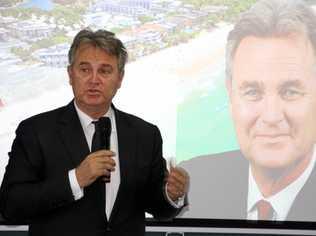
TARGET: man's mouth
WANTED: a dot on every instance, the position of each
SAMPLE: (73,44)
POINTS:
(93,91)
(272,137)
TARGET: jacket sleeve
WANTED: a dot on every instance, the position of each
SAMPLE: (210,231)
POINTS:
(156,199)
(26,191)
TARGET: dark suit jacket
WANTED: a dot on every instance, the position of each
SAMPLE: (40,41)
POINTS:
(219,188)
(36,188)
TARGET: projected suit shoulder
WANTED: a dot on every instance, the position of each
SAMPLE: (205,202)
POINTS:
(225,194)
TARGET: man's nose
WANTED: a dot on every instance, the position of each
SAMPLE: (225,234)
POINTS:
(94,77)
(273,111)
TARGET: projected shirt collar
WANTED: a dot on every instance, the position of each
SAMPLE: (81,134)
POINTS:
(283,200)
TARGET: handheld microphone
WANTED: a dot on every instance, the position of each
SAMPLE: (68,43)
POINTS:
(106,128)
(106,132)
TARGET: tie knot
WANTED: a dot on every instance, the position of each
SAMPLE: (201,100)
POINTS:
(265,210)
(101,136)
(103,125)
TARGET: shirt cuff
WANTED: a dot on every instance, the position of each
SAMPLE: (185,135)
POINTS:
(77,191)
(176,204)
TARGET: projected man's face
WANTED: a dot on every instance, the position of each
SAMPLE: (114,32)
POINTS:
(273,100)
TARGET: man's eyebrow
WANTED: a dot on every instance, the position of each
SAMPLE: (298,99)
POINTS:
(88,63)
(291,83)
(251,84)
(107,65)
(84,63)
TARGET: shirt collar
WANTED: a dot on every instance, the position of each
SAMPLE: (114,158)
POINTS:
(86,120)
(283,200)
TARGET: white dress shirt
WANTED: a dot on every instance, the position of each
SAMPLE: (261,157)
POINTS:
(282,201)
(112,186)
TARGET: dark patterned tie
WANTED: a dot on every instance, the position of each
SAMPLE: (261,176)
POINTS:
(100,140)
(101,136)
(265,210)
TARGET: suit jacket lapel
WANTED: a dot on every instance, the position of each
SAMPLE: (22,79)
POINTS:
(303,208)
(72,134)
(239,184)
(127,153)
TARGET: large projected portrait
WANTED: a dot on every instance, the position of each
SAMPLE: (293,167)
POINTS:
(271,86)
(230,84)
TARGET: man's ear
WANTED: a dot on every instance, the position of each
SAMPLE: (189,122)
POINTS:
(70,74)
(121,76)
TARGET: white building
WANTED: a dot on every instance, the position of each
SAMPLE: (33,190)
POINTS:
(55,56)
(123,7)
(4,34)
(31,30)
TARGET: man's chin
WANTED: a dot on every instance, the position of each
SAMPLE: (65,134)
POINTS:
(92,98)
(95,101)
(271,158)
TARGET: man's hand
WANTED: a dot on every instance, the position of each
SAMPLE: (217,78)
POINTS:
(177,183)
(95,165)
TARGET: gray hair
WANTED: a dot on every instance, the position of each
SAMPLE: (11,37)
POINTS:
(103,39)
(271,18)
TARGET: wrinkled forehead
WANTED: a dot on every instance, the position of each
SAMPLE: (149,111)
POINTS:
(89,47)
(274,57)
(291,45)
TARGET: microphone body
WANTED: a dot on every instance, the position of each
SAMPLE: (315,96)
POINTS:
(106,128)
(106,132)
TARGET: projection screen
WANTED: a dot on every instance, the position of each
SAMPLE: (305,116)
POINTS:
(242,126)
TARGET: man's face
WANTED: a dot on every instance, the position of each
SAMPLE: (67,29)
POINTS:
(94,78)
(273,100)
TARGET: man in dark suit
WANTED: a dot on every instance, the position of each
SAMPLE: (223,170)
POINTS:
(271,84)
(57,185)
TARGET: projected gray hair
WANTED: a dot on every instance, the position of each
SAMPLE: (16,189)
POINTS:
(271,18)
(103,39)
